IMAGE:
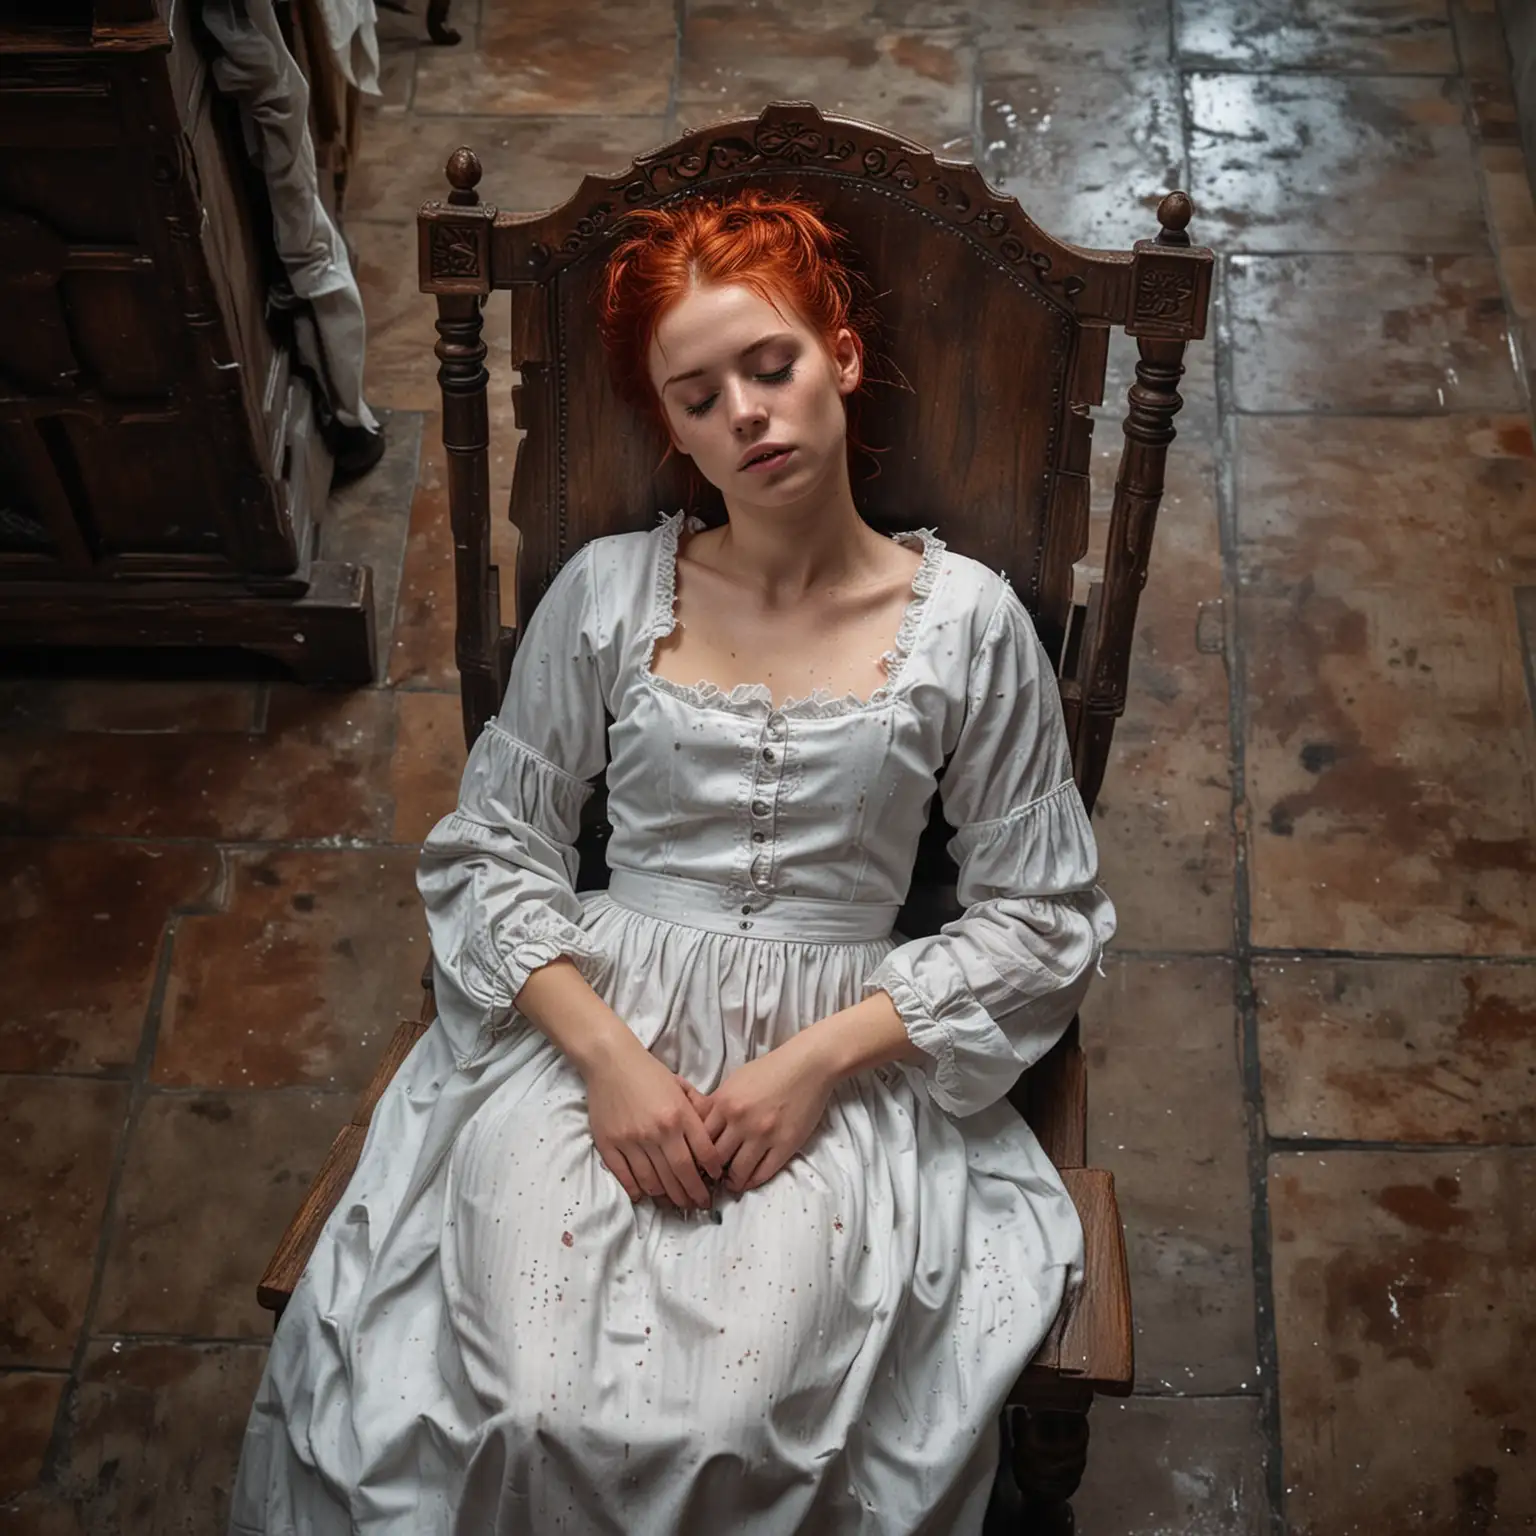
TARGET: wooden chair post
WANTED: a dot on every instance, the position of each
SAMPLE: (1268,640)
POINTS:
(466,439)
(1153,402)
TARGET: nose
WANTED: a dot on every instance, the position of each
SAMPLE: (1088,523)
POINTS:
(745,406)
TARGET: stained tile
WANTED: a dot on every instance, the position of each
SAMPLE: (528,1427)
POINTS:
(155,1434)
(319,770)
(1389,754)
(367,520)
(547,56)
(1370,333)
(400,366)
(397,85)
(428,764)
(303,976)
(1480,38)
(1372,36)
(1163,819)
(105,905)
(1398,1050)
(1068,34)
(735,59)
(29,1404)
(225,1173)
(1088,154)
(130,706)
(422,654)
(42,1513)
(1167,1120)
(1161,1465)
(1402,1302)
(59,1135)
(1311,162)
(530,163)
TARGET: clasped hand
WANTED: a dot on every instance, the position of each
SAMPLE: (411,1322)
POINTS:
(658,1135)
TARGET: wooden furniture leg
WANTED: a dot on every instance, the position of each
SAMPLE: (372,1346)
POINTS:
(1050,1450)
(437,24)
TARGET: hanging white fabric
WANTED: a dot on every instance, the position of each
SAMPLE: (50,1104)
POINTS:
(257,70)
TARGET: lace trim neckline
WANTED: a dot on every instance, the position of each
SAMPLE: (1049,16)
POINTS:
(820,703)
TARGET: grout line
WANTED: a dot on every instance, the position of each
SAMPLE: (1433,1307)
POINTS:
(1429,413)
(1266,1339)
(1295,1144)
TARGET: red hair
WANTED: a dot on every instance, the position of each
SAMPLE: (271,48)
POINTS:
(780,247)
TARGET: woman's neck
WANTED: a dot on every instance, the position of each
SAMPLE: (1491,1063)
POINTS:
(787,552)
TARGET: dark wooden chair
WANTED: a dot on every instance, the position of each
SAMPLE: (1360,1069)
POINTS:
(1003,333)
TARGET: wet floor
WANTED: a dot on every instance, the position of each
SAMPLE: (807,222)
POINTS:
(1313,1058)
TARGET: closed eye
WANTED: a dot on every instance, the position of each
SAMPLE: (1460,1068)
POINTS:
(779,376)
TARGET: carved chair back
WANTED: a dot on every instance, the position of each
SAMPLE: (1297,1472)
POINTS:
(994,347)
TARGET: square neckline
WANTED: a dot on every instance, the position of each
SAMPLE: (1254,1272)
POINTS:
(745,698)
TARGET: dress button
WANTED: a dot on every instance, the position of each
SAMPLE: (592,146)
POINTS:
(768,754)
(776,724)
(759,837)
(746,908)
(759,807)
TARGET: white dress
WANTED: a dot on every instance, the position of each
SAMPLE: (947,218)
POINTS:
(490,1338)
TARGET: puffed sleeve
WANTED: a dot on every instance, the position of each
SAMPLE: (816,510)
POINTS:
(990,994)
(498,874)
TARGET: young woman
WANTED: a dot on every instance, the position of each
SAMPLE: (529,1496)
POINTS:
(520,1318)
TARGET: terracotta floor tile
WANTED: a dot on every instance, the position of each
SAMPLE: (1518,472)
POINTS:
(130,706)
(1403,1305)
(156,1433)
(1159,1466)
(429,762)
(1309,162)
(319,770)
(43,1514)
(546,56)
(1370,333)
(1390,753)
(400,367)
(1398,1050)
(29,1404)
(1480,38)
(1371,36)
(367,521)
(397,84)
(223,1173)
(530,163)
(422,655)
(60,1135)
(1068,34)
(1163,819)
(1089,155)
(736,60)
(1511,206)
(1166,1117)
(105,905)
(301,979)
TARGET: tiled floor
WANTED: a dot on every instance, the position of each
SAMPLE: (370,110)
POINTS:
(1314,1056)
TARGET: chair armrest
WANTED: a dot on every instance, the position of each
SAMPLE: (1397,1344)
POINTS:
(298,1242)
(1090,1345)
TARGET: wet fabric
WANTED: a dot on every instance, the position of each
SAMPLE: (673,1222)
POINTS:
(490,1337)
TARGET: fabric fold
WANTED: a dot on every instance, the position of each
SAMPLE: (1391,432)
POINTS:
(988,996)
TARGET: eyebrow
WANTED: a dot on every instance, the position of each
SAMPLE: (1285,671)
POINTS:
(756,346)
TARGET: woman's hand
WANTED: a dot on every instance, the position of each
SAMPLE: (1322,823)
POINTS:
(648,1134)
(761,1115)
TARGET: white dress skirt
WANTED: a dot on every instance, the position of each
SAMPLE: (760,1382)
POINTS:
(491,1339)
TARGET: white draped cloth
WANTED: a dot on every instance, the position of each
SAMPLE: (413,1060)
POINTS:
(490,1337)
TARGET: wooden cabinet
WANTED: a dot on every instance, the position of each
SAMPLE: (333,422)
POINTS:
(161,475)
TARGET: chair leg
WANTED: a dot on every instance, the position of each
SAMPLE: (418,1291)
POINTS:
(1050,1451)
(437,24)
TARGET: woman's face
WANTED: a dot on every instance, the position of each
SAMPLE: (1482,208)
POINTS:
(739,379)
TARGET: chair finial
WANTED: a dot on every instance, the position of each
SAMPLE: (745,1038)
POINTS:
(463,172)
(1174,213)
